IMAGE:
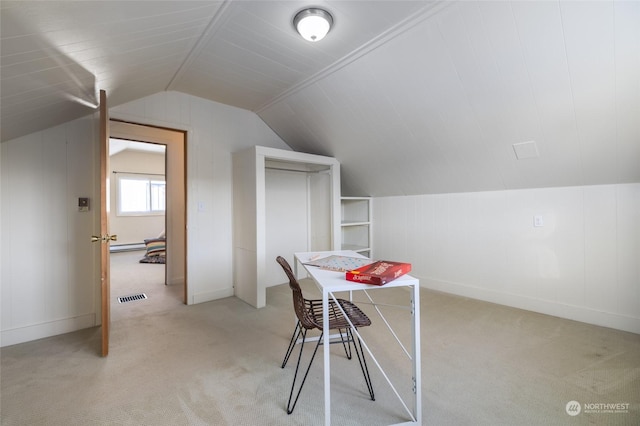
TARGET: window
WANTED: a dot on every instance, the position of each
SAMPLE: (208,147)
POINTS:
(141,195)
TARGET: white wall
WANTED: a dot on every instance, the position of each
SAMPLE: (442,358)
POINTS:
(583,264)
(287,229)
(50,270)
(298,218)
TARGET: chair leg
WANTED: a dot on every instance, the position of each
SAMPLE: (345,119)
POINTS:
(296,333)
(363,367)
(346,345)
(295,375)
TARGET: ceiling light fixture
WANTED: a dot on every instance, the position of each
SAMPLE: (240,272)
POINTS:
(313,23)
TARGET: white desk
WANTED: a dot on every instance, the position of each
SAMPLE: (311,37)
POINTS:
(330,282)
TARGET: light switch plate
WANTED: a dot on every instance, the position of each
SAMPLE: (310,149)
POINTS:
(538,221)
(83,204)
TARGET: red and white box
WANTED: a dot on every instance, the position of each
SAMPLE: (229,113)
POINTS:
(379,272)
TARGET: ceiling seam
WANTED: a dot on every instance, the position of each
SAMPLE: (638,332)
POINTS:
(405,25)
(206,35)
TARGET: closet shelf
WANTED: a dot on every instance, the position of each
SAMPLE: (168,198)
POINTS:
(356,226)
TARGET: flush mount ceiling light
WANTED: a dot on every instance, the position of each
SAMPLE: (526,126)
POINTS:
(313,24)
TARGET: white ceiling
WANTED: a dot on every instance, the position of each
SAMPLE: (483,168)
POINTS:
(117,146)
(412,97)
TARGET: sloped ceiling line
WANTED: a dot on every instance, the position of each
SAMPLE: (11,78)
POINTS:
(207,35)
(403,26)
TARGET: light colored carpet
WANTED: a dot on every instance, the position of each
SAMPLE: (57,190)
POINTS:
(218,363)
(129,276)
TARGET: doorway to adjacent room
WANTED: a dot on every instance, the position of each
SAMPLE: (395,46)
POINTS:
(147,212)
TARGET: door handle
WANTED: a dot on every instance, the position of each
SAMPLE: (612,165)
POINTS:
(103,238)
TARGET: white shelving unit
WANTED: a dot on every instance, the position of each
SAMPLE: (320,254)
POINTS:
(356,226)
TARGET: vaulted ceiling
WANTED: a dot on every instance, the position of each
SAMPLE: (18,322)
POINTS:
(412,97)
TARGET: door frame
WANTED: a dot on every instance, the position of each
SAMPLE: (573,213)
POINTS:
(104,237)
(176,171)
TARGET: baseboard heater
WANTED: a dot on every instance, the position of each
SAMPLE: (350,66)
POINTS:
(126,247)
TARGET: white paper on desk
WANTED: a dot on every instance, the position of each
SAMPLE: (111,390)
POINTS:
(339,263)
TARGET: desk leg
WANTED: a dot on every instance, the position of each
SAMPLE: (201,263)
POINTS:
(417,368)
(327,367)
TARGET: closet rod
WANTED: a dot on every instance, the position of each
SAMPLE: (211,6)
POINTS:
(293,170)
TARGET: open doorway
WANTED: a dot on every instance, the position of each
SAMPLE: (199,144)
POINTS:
(138,216)
(147,210)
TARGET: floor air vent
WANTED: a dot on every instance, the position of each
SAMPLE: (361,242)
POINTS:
(132,298)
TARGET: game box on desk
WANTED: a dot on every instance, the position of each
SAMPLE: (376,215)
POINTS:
(379,272)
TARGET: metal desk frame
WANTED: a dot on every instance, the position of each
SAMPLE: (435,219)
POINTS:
(330,282)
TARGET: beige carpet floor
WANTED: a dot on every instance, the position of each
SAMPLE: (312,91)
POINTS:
(129,277)
(218,363)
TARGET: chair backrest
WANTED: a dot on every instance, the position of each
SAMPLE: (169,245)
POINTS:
(299,304)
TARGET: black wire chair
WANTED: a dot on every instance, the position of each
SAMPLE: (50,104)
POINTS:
(309,314)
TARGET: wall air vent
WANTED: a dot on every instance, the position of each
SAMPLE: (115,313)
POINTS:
(526,150)
(131,298)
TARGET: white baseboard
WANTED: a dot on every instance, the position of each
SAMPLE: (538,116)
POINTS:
(48,329)
(211,295)
(571,312)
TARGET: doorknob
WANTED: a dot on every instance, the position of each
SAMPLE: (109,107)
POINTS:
(104,238)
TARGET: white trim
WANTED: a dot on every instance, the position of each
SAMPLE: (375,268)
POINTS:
(47,329)
(211,295)
(561,310)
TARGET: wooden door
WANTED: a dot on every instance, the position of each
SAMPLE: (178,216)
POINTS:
(105,238)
